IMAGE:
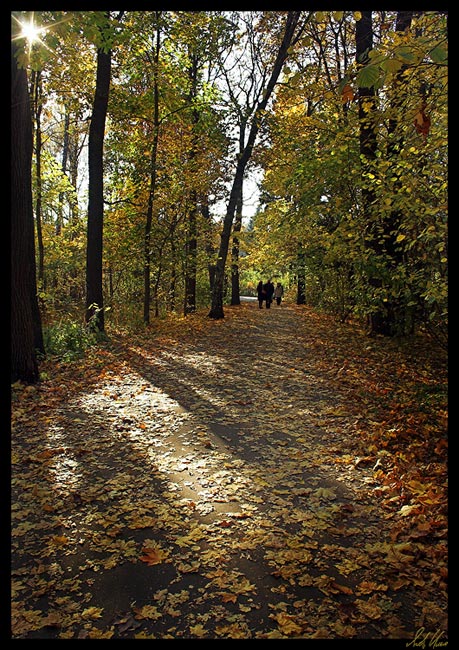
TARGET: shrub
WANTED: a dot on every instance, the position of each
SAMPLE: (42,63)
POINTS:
(68,340)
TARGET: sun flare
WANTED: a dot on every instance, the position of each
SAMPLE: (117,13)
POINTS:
(31,31)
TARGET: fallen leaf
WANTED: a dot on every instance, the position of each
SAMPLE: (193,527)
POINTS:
(153,555)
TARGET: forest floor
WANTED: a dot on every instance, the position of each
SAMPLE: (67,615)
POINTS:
(274,474)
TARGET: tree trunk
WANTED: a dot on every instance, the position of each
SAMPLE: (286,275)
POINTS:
(94,248)
(386,319)
(300,278)
(36,84)
(190,258)
(173,275)
(26,332)
(65,155)
(235,288)
(191,246)
(216,310)
(368,148)
(398,318)
(152,191)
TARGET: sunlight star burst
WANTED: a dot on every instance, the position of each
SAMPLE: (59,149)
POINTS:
(30,31)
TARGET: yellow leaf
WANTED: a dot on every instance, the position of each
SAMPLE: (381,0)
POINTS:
(143,521)
(92,612)
(370,609)
(198,630)
(325,492)
(368,586)
(408,510)
(147,611)
(287,623)
(100,634)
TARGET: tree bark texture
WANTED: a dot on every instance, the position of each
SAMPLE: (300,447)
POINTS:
(191,257)
(398,319)
(26,332)
(368,149)
(235,288)
(94,248)
(301,277)
(152,190)
(387,319)
(36,86)
(191,247)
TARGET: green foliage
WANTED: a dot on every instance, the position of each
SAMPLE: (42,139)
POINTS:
(387,255)
(68,340)
(355,260)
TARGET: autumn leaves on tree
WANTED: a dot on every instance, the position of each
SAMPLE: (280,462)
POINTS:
(146,126)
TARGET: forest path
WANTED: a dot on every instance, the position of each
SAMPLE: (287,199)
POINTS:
(209,482)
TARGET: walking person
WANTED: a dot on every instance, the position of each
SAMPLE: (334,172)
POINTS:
(278,293)
(261,294)
(269,290)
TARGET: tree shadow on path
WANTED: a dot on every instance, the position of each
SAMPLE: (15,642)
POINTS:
(217,501)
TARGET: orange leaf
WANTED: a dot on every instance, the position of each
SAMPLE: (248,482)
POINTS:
(229,598)
(152,556)
(422,123)
(347,94)
(49,453)
(342,588)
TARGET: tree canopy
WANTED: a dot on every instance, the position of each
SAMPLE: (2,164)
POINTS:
(351,151)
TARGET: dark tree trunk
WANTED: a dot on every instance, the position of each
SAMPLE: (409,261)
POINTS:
(173,274)
(152,191)
(398,318)
(65,155)
(26,332)
(216,310)
(94,248)
(368,148)
(191,247)
(386,319)
(190,258)
(235,288)
(300,278)
(148,227)
(289,37)
(36,86)
(367,135)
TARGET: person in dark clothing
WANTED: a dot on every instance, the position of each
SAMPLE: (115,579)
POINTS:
(269,290)
(260,293)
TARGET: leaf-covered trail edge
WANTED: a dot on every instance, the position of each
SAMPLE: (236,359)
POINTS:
(271,475)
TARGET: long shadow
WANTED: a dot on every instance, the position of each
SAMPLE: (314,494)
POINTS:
(143,475)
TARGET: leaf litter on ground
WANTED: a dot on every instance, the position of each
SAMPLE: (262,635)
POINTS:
(271,475)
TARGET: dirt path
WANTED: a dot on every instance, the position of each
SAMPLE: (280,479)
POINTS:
(210,487)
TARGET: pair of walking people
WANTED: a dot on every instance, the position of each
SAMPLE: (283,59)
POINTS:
(267,291)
